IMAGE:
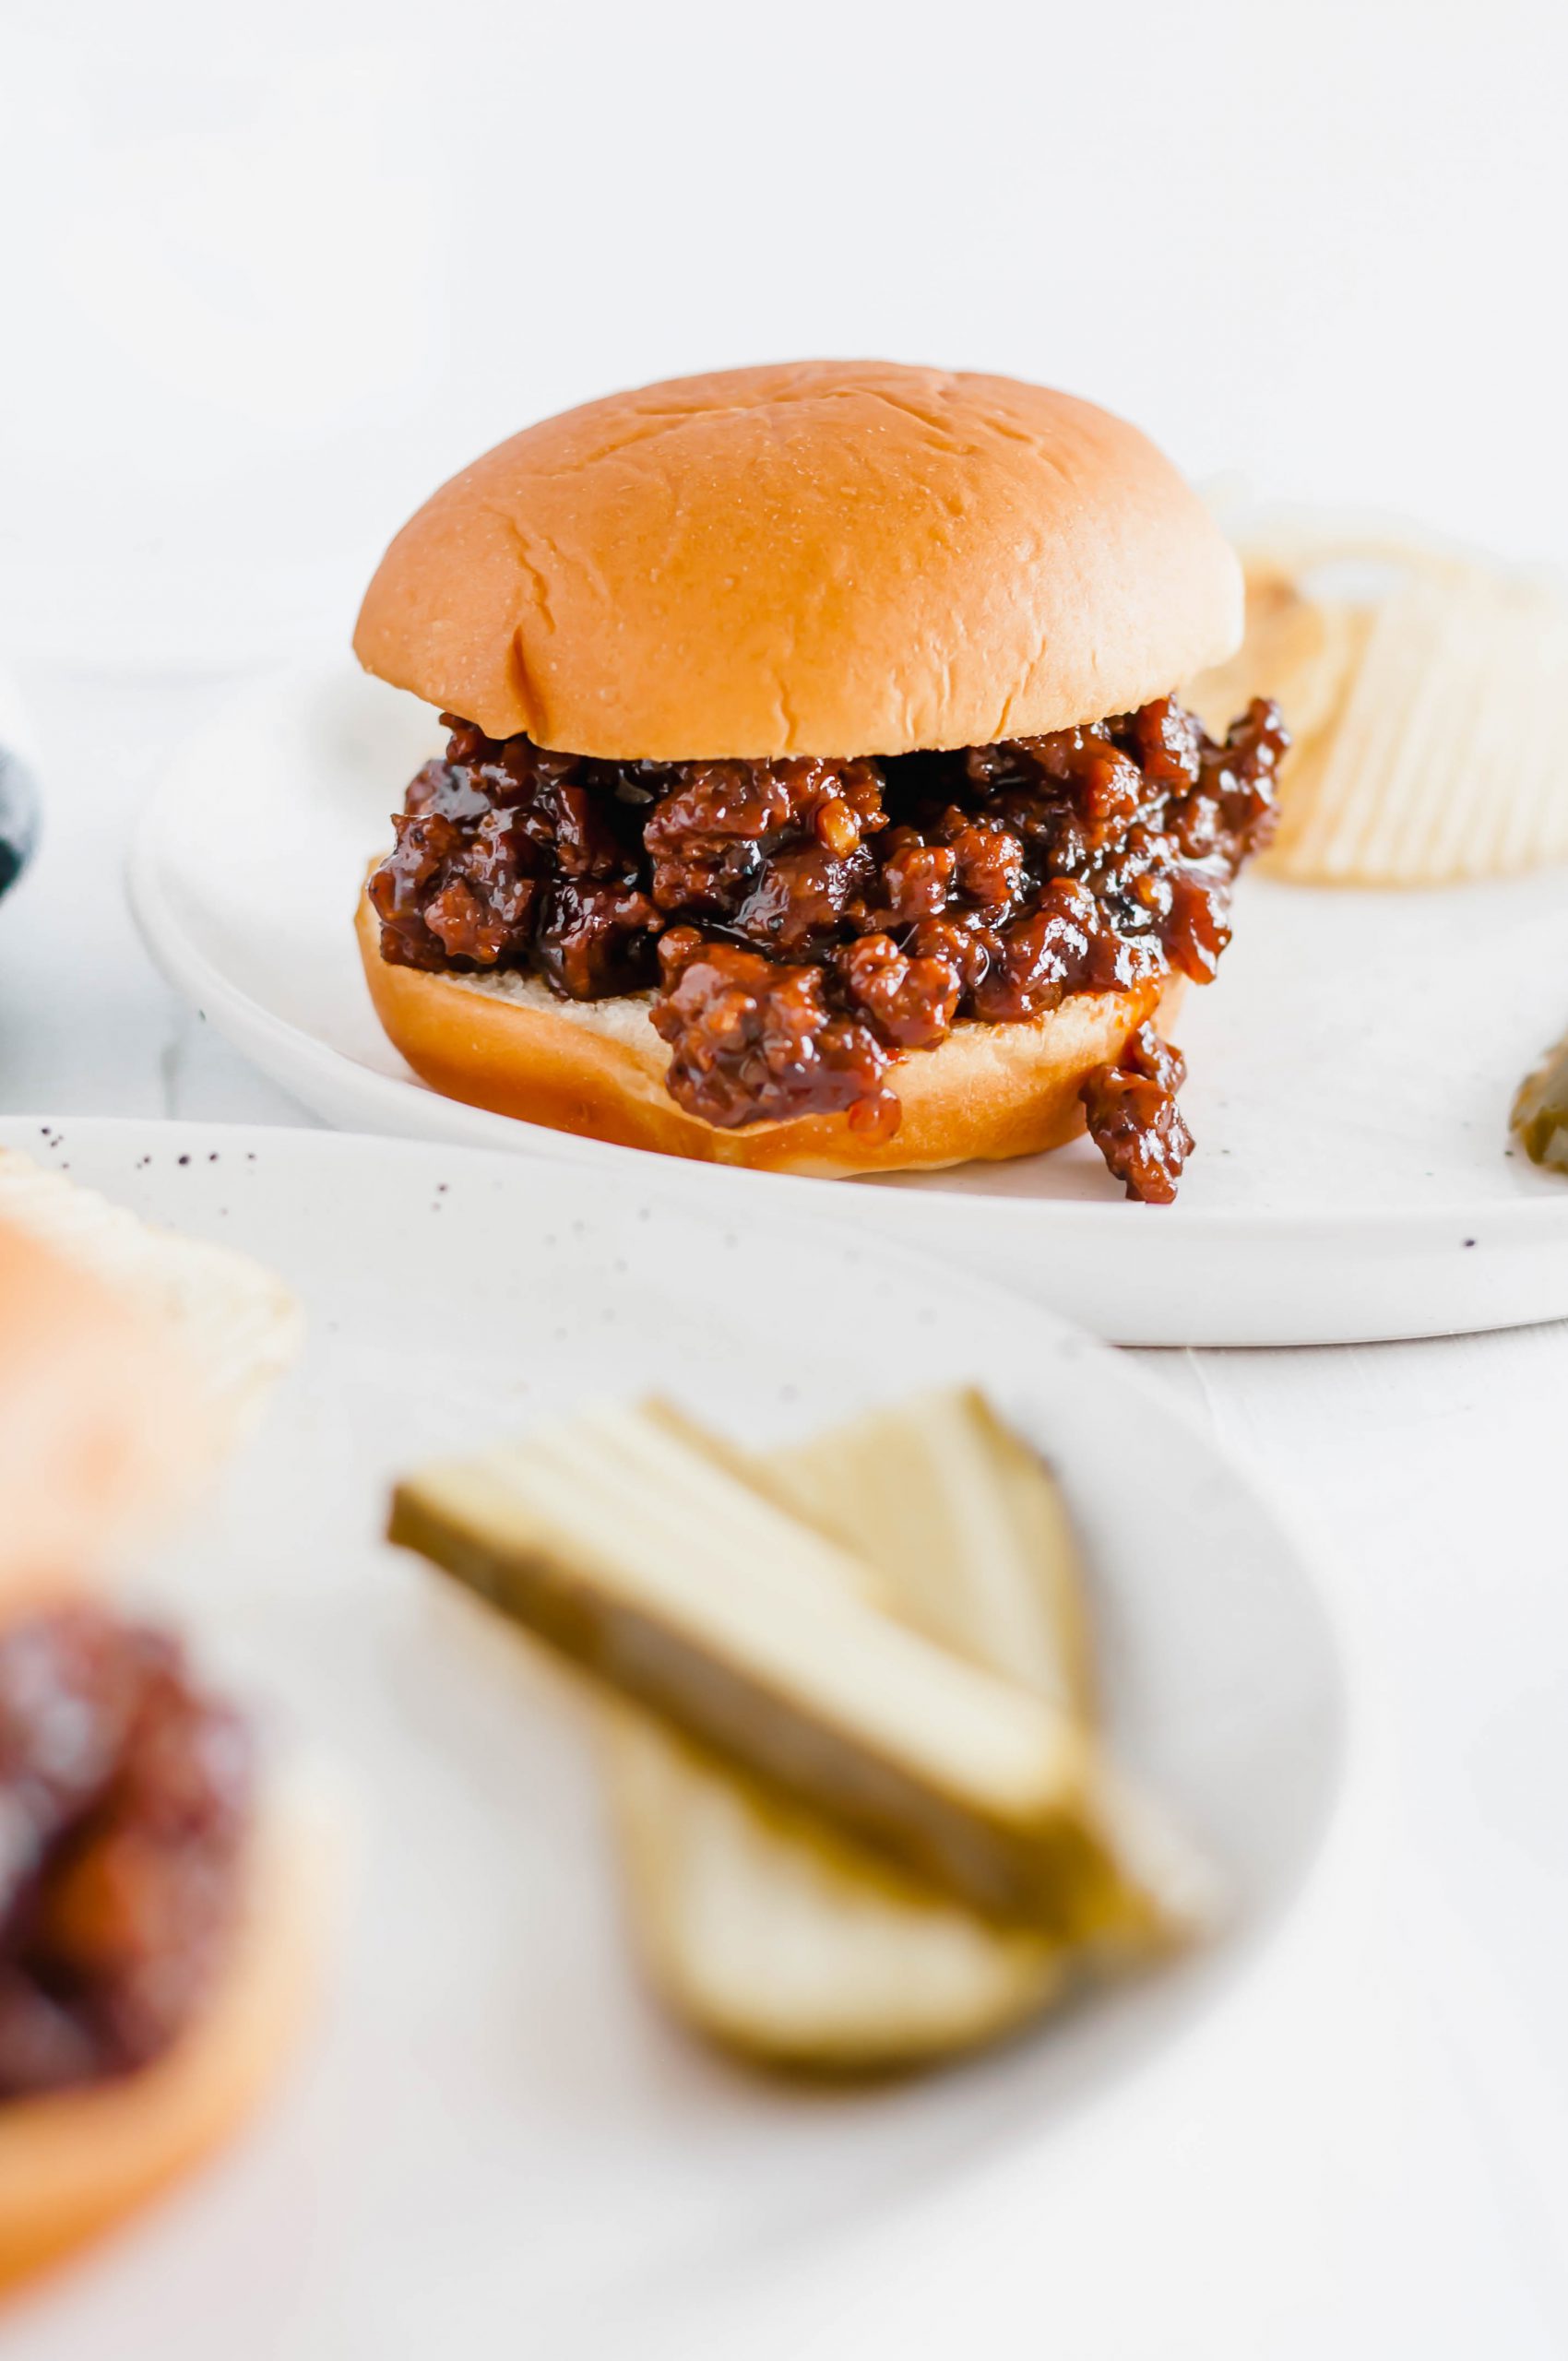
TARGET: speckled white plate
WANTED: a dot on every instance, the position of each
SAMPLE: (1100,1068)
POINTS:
(1351,1070)
(498,2147)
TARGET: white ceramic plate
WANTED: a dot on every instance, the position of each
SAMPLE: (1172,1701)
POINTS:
(1351,1072)
(499,2146)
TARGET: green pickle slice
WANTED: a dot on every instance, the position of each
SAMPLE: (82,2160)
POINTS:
(1539,1119)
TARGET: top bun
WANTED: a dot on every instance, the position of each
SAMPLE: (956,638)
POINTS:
(100,1429)
(828,557)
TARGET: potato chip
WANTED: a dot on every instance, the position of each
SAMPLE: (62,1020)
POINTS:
(1290,639)
(1423,746)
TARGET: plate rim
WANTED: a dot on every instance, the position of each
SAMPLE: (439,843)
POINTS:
(44,1131)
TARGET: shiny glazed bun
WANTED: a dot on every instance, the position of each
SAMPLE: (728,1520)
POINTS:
(596,1068)
(825,557)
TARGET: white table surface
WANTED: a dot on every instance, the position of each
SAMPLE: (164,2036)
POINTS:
(1364,2153)
(268,275)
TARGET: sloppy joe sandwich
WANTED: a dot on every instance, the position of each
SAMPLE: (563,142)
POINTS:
(816,795)
(158,1902)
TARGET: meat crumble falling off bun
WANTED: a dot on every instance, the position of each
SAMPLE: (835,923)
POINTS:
(817,798)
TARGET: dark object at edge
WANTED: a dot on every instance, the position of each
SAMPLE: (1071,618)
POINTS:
(18,818)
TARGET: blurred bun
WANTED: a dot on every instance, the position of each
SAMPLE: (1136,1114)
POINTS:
(232,1321)
(827,557)
(108,1421)
(74,2163)
(101,1428)
(596,1068)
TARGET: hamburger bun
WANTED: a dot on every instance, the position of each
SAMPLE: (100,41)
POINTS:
(596,1068)
(234,1323)
(108,1420)
(824,557)
(74,2164)
(103,1430)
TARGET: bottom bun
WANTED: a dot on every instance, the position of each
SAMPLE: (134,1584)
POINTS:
(74,2163)
(596,1068)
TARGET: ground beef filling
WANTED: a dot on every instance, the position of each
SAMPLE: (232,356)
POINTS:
(804,923)
(1134,1119)
(124,1802)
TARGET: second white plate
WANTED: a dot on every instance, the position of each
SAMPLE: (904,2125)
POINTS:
(1351,1072)
(498,2146)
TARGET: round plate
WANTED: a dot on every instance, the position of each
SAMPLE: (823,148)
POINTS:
(498,2127)
(1351,1072)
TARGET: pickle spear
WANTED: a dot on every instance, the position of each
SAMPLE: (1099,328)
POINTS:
(776,1936)
(967,1529)
(785,1939)
(953,1522)
(655,1566)
(1540,1112)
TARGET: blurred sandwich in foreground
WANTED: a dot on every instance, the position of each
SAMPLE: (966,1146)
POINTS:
(160,1898)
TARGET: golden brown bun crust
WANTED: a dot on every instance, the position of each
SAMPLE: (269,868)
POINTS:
(597,1069)
(827,557)
(73,2165)
(102,1429)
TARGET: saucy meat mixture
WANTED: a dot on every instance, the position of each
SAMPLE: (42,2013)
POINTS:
(124,1802)
(804,923)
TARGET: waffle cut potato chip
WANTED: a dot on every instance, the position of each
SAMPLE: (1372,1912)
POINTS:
(1415,685)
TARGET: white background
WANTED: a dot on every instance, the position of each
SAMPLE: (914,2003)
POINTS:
(266,276)
(273,271)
